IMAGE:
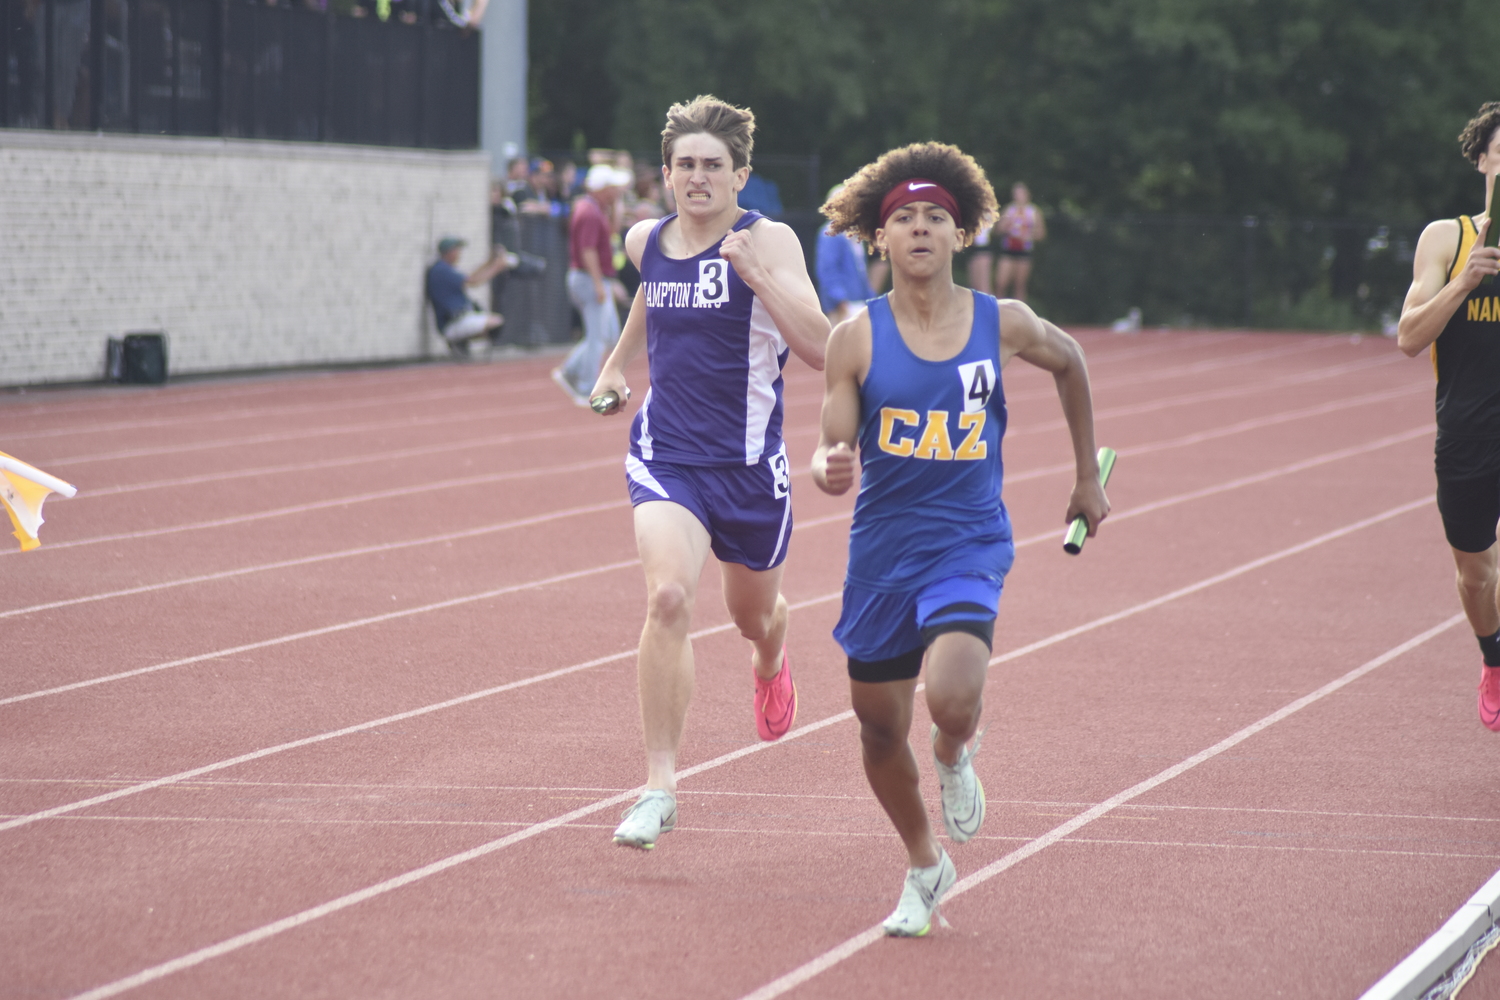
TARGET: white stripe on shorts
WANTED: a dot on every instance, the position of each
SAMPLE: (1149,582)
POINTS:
(637,471)
(786,515)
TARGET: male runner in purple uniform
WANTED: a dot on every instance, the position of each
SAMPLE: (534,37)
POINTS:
(724,295)
(914,383)
(1449,308)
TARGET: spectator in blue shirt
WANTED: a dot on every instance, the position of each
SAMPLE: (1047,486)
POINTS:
(843,280)
(459,318)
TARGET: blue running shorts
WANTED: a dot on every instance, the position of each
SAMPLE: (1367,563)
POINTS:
(746,509)
(876,626)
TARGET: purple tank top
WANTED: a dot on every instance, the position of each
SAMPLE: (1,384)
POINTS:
(716,360)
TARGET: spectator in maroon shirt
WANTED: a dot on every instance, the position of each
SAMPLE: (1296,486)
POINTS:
(591,275)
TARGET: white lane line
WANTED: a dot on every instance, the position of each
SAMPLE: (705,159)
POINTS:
(1202,436)
(302,434)
(181,776)
(883,834)
(218,415)
(828,959)
(1030,474)
(860,941)
(279,640)
(1016,805)
(1230,574)
(1285,470)
(1104,383)
(812,523)
(219,389)
(462,482)
(1210,396)
(343,902)
(93,492)
(393,455)
(1011,655)
(471,415)
(487,384)
(403,613)
(364,550)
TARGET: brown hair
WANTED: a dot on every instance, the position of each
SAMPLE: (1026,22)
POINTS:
(856,208)
(1475,138)
(733,126)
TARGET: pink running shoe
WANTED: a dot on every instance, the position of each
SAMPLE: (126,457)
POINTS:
(1489,698)
(776,702)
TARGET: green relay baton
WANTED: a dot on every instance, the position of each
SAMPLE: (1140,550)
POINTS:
(1492,238)
(1079,529)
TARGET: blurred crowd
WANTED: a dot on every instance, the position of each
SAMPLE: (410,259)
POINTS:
(537,186)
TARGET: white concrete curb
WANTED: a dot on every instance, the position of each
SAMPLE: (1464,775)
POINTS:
(1417,973)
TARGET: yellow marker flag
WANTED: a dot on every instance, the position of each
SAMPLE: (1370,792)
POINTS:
(22,489)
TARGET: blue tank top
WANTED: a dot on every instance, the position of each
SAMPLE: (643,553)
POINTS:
(716,360)
(929,502)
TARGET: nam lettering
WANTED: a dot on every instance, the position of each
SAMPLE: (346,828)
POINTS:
(1485,309)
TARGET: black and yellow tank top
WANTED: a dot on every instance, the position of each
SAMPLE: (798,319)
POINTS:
(1466,355)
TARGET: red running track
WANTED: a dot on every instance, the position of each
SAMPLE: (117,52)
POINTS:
(323,686)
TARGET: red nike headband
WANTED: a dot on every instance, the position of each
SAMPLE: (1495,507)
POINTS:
(919,189)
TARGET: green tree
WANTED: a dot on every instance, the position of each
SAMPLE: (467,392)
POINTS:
(1280,109)
(1297,107)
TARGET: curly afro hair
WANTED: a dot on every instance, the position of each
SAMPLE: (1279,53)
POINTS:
(856,207)
(1475,138)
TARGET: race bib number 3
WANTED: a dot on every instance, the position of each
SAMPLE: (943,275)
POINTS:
(978,378)
(713,283)
(781,475)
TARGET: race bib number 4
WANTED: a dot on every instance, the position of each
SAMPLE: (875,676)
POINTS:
(713,283)
(978,378)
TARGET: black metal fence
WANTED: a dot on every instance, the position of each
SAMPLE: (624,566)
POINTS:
(1224,271)
(241,69)
(536,309)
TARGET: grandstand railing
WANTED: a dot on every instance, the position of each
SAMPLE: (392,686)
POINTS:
(238,69)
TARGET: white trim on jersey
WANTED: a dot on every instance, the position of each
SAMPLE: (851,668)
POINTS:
(766,345)
(637,471)
(644,441)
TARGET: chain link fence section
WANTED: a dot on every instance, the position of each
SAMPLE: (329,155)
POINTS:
(1187,271)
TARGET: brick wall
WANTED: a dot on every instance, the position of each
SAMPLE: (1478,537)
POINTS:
(249,254)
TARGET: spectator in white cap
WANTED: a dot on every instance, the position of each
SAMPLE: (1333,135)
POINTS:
(591,273)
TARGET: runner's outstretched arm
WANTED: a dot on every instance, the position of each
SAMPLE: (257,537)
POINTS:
(1034,340)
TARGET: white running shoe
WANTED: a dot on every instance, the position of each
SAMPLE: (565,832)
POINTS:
(923,891)
(567,387)
(963,795)
(653,814)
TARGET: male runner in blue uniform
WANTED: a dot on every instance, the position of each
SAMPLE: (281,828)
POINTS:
(724,296)
(914,384)
(1450,309)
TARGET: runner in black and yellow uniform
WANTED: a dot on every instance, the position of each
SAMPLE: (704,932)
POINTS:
(1452,310)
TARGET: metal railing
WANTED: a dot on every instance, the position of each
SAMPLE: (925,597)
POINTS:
(240,69)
